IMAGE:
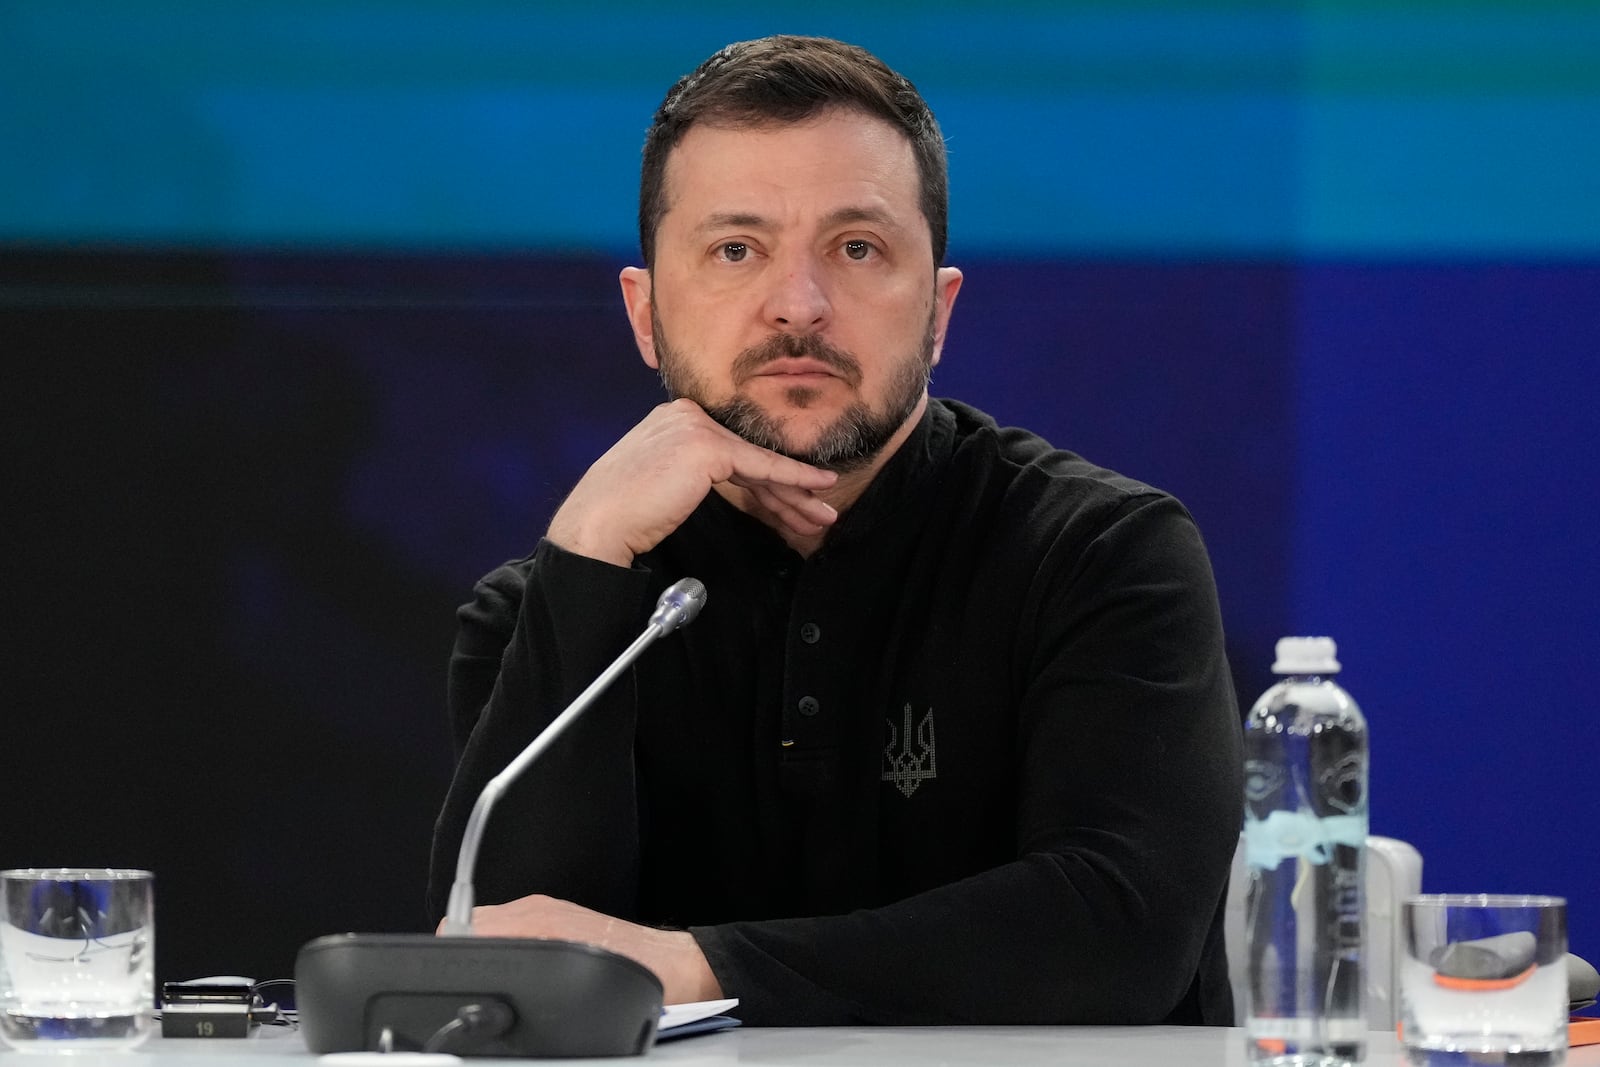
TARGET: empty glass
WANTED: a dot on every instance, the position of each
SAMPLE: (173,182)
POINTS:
(1483,980)
(77,958)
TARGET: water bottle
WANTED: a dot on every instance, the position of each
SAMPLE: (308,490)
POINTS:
(1305,842)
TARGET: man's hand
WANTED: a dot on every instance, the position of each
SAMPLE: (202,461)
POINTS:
(651,480)
(673,955)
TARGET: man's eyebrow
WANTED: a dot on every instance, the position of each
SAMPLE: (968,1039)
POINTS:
(733,220)
(875,215)
(746,220)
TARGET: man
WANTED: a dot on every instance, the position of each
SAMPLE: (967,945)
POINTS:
(953,739)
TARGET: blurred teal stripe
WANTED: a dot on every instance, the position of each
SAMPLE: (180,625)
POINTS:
(1465,49)
(1145,128)
(479,43)
(1442,175)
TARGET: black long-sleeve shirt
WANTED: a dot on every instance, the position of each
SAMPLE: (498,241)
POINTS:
(976,760)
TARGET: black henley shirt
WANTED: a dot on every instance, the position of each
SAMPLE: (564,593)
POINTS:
(976,760)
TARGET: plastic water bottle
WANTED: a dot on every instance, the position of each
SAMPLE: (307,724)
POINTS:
(1305,840)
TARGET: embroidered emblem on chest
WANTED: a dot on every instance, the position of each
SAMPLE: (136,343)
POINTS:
(909,763)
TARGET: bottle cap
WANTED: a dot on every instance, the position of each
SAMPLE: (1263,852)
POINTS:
(1306,655)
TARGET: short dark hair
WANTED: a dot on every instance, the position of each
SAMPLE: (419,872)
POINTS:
(786,79)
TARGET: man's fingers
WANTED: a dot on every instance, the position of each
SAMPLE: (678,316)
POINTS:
(752,463)
(780,498)
(795,508)
(649,482)
(673,955)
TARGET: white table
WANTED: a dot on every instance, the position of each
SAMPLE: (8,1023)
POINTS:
(966,1046)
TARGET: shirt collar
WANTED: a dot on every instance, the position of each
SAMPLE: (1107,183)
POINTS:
(902,482)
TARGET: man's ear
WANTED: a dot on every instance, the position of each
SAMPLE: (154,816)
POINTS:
(946,284)
(636,298)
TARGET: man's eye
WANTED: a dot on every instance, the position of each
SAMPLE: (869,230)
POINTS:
(857,249)
(734,251)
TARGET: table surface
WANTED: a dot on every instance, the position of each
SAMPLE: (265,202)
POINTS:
(977,1046)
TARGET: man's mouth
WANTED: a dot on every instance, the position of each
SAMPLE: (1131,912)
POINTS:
(807,360)
(788,367)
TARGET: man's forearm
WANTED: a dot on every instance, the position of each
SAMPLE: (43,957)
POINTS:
(1058,939)
(563,829)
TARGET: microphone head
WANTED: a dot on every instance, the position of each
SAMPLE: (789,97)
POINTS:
(678,606)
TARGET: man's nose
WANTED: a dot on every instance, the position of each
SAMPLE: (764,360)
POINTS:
(798,301)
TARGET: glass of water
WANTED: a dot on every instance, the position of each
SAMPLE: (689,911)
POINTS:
(1483,980)
(77,958)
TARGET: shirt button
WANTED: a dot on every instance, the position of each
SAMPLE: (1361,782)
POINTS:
(810,633)
(809,706)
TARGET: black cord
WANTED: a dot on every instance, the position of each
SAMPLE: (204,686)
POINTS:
(271,982)
(271,1014)
(488,1019)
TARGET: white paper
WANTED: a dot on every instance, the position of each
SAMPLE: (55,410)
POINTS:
(674,1015)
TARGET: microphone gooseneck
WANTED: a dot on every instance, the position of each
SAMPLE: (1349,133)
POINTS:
(675,609)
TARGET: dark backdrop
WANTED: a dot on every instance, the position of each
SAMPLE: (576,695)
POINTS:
(246,492)
(250,490)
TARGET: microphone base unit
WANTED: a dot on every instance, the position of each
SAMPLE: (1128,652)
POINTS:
(396,992)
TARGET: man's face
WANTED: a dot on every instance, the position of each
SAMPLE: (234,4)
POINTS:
(794,294)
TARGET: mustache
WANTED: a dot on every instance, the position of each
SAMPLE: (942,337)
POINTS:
(796,346)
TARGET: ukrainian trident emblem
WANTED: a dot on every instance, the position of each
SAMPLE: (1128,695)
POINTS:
(905,766)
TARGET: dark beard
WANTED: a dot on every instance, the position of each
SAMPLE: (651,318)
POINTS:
(850,442)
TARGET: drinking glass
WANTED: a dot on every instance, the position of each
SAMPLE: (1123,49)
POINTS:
(1483,980)
(77,958)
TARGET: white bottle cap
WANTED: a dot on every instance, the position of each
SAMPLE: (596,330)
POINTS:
(1306,655)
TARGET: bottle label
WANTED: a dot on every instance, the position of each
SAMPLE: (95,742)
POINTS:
(1300,834)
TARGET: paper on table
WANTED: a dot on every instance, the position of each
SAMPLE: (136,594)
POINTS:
(676,1015)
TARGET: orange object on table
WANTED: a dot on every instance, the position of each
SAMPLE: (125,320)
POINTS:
(1483,985)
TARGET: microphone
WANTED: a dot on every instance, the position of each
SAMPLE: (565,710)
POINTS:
(520,997)
(675,609)
(678,606)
